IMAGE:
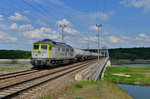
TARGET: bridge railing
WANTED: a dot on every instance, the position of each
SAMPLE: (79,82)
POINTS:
(94,72)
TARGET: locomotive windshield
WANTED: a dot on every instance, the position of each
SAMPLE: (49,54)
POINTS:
(36,47)
(44,47)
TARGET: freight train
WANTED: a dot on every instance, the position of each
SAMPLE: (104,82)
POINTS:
(51,53)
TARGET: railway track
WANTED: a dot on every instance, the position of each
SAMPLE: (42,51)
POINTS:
(16,88)
(15,74)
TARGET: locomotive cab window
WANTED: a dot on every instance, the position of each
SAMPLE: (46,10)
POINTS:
(44,47)
(36,47)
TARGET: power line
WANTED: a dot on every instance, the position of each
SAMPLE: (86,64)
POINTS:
(36,9)
(66,15)
(45,10)
(105,3)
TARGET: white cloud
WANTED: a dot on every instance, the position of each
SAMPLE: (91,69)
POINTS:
(71,31)
(41,33)
(4,37)
(26,11)
(1,17)
(63,22)
(17,17)
(143,35)
(93,28)
(99,15)
(14,26)
(137,3)
(40,22)
(89,39)
(114,39)
(125,37)
(24,27)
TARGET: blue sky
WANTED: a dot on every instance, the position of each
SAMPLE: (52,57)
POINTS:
(125,22)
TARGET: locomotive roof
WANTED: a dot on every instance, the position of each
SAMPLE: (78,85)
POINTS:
(53,43)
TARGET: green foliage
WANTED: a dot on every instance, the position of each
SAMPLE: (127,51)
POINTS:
(138,74)
(128,53)
(14,54)
(84,83)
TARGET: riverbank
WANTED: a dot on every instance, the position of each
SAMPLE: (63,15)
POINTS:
(138,75)
(95,90)
(128,61)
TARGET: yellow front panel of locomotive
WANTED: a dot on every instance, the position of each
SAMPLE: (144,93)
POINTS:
(49,48)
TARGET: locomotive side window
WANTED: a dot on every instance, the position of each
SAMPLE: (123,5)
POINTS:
(36,47)
(44,47)
(63,49)
(50,48)
(67,50)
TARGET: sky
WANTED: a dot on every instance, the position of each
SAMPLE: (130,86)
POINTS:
(125,23)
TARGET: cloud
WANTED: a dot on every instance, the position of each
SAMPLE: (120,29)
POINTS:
(121,39)
(99,15)
(40,22)
(41,33)
(114,39)
(1,17)
(26,11)
(24,27)
(125,37)
(89,39)
(18,17)
(4,37)
(137,3)
(93,28)
(63,22)
(143,37)
(71,31)
(14,26)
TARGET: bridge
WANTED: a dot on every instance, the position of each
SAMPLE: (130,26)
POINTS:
(96,71)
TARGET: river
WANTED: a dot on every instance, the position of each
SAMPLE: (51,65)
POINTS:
(136,91)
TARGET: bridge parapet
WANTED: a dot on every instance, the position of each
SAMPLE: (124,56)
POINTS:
(94,72)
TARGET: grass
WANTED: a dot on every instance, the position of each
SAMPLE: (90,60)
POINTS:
(48,96)
(95,90)
(14,67)
(138,74)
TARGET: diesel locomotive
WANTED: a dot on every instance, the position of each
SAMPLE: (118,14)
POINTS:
(51,53)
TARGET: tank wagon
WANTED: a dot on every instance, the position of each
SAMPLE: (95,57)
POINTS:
(51,53)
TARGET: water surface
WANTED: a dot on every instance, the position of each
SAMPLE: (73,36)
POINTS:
(137,92)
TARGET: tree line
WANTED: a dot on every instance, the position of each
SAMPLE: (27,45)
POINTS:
(14,54)
(117,53)
(128,53)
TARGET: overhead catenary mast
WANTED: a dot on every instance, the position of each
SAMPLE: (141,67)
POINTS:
(99,26)
(62,29)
